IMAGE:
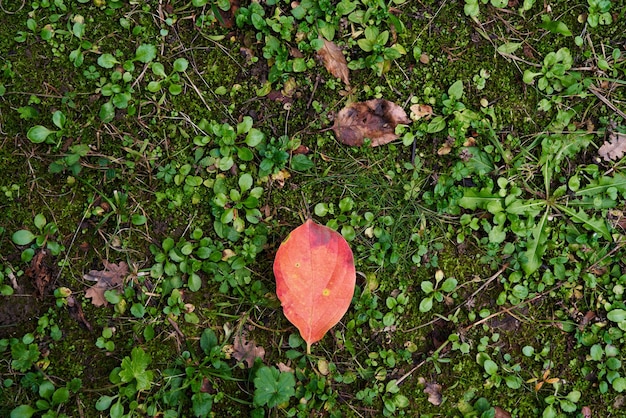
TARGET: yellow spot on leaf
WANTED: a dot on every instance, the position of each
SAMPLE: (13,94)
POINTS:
(325,292)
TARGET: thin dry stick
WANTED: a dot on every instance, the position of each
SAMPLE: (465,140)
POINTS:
(489,280)
(409,373)
(508,310)
(606,101)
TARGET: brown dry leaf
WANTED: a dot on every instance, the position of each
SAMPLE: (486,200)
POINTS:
(284,368)
(246,350)
(419,111)
(40,272)
(501,413)
(280,178)
(446,147)
(111,277)
(374,119)
(334,61)
(433,390)
(76,312)
(227,17)
(614,148)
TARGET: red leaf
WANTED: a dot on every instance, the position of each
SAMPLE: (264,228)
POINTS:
(315,279)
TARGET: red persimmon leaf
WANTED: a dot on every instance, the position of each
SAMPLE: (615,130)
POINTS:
(315,279)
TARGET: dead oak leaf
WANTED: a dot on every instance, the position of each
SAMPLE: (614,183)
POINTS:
(614,148)
(110,278)
(374,119)
(334,61)
(433,390)
(246,350)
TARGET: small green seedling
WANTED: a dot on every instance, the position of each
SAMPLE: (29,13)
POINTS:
(44,239)
(435,292)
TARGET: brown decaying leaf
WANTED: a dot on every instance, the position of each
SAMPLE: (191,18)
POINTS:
(419,111)
(111,277)
(40,272)
(374,119)
(227,17)
(76,312)
(246,350)
(613,148)
(334,61)
(501,413)
(433,390)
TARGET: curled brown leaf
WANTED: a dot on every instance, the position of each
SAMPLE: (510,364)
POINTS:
(374,119)
(334,61)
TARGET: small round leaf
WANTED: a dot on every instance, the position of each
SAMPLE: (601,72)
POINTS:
(38,134)
(23,237)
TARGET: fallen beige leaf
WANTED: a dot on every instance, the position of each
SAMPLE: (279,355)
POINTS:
(419,111)
(334,61)
(613,148)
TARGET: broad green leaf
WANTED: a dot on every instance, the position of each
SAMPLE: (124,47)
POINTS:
(107,112)
(617,315)
(38,134)
(556,27)
(175,89)
(530,208)
(245,125)
(601,185)
(619,384)
(481,199)
(549,412)
(254,137)
(23,237)
(194,282)
(301,162)
(39,221)
(456,90)
(202,403)
(104,402)
(107,61)
(436,125)
(23,411)
(181,65)
(480,162)
(61,395)
(273,387)
(536,246)
(46,389)
(59,119)
(596,225)
(158,69)
(426,304)
(245,182)
(490,367)
(509,47)
(208,340)
(117,410)
(134,367)
(145,53)
(497,234)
